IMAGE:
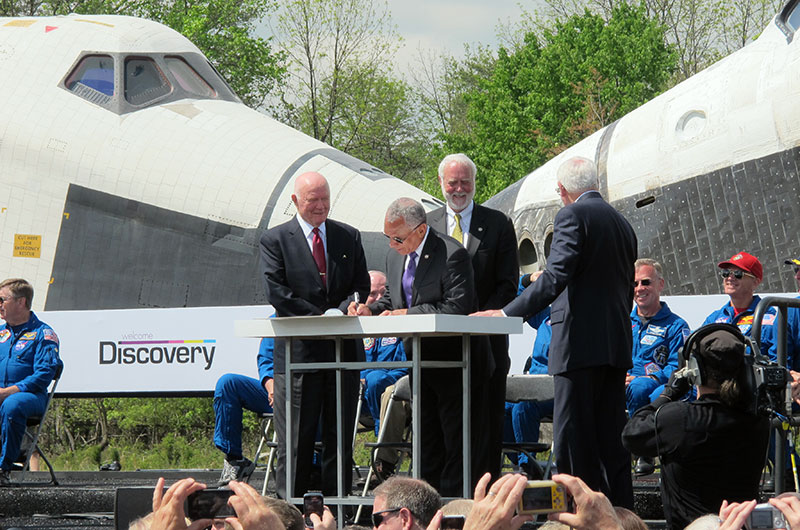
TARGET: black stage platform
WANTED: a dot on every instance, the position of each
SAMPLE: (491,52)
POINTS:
(86,499)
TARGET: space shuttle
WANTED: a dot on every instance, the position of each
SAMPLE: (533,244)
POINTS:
(132,176)
(704,170)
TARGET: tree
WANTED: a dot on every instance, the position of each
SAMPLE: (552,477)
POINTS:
(701,31)
(583,74)
(334,47)
(222,29)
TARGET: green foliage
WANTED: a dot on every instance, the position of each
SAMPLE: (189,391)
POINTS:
(581,75)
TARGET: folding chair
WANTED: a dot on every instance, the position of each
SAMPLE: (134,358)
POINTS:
(269,441)
(529,387)
(38,423)
(401,392)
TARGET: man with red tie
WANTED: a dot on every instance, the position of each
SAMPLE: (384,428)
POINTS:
(312,264)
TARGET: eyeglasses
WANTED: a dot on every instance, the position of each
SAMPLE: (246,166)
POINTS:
(377,517)
(644,282)
(402,240)
(737,273)
(558,190)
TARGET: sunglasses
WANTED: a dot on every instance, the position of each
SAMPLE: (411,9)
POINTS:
(401,240)
(737,273)
(377,517)
(645,282)
(4,300)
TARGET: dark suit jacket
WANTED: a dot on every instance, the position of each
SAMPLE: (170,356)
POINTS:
(294,287)
(492,246)
(443,284)
(589,281)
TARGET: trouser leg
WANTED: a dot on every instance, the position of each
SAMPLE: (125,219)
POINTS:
(589,415)
(14,411)
(232,394)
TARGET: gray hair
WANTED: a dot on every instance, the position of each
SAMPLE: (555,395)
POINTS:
(647,262)
(417,496)
(407,209)
(578,174)
(705,522)
(19,289)
(462,159)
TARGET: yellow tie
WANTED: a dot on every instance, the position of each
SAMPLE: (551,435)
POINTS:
(458,235)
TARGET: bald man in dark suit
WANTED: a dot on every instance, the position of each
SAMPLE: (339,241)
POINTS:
(488,235)
(589,282)
(312,264)
(442,282)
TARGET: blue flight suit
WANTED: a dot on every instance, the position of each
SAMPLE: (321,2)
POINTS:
(28,359)
(792,339)
(744,321)
(523,419)
(656,342)
(235,392)
(383,349)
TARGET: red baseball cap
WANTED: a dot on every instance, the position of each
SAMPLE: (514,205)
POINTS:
(746,262)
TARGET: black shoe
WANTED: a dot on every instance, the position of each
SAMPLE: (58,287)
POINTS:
(533,470)
(239,470)
(5,478)
(383,470)
(644,466)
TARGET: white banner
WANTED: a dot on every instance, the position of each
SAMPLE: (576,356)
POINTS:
(185,350)
(182,350)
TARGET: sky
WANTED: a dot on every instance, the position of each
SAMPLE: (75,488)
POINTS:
(445,25)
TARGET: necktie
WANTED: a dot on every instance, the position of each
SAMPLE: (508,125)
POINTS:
(458,235)
(318,251)
(408,277)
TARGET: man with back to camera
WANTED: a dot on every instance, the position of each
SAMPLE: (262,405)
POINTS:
(428,273)
(29,361)
(380,349)
(658,335)
(312,264)
(711,449)
(589,282)
(741,275)
(488,235)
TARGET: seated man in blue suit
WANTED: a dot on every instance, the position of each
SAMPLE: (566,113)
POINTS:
(523,419)
(658,335)
(233,393)
(29,361)
(381,349)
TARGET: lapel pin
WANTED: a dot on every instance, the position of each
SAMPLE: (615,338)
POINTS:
(426,256)
(480,229)
(344,255)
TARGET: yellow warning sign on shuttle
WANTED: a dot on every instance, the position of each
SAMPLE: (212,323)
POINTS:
(27,246)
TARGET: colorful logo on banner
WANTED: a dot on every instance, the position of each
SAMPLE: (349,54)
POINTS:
(168,352)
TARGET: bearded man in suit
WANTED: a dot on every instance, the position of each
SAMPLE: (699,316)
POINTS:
(429,272)
(589,282)
(312,264)
(488,235)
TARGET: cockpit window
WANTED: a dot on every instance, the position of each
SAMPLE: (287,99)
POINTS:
(188,78)
(793,18)
(144,81)
(93,79)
